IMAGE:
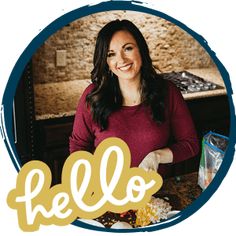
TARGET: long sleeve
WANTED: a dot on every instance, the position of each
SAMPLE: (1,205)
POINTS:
(186,143)
(82,135)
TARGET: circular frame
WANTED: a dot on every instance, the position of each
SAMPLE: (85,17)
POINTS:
(7,101)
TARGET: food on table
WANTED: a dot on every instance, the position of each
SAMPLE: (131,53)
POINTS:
(154,211)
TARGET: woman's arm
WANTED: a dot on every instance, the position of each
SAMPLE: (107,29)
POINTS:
(186,144)
(185,141)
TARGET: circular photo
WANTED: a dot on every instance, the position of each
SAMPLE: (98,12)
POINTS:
(132,73)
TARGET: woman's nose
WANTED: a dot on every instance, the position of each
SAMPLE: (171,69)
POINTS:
(121,57)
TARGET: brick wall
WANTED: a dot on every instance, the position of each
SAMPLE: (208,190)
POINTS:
(171,48)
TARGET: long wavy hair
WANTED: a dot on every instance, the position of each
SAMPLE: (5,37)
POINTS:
(106,96)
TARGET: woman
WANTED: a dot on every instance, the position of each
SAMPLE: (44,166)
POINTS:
(129,100)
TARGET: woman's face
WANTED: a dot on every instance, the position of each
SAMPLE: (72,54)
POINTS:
(123,57)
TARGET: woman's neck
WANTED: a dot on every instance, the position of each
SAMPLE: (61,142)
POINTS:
(131,92)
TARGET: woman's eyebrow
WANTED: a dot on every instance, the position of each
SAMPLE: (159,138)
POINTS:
(127,44)
(111,50)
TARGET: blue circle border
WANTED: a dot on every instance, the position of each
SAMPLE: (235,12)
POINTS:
(138,6)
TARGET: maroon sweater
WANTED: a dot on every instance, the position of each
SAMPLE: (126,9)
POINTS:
(135,126)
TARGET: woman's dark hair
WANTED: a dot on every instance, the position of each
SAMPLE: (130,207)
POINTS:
(106,96)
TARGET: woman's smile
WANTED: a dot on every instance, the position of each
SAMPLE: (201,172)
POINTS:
(125,67)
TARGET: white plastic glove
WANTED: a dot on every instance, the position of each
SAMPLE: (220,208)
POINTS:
(150,162)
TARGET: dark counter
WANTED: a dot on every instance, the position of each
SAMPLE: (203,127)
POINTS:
(181,190)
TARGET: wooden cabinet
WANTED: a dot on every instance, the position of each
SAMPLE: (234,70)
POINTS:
(53,143)
(212,113)
(209,114)
(24,117)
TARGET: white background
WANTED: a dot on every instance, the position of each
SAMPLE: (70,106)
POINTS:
(21,21)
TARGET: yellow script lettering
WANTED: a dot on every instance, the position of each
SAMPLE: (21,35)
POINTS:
(91,185)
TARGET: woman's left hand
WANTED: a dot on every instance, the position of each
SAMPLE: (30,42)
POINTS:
(153,159)
(150,162)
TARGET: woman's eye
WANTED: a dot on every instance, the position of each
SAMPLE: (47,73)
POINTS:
(129,48)
(110,54)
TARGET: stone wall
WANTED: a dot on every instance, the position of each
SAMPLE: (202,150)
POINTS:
(170,47)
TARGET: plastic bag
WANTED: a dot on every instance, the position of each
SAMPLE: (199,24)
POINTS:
(213,150)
